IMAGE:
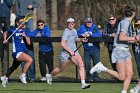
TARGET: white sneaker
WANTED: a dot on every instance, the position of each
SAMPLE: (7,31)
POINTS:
(43,79)
(23,78)
(134,90)
(98,68)
(49,79)
(85,86)
(4,80)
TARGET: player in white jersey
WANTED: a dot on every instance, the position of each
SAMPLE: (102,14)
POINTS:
(67,53)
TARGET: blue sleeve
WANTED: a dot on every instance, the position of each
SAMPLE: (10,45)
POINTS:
(46,32)
(80,31)
(33,33)
(96,32)
(27,32)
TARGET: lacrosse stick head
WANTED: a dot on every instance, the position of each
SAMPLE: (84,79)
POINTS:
(28,17)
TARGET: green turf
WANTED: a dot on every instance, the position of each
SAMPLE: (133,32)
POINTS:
(61,88)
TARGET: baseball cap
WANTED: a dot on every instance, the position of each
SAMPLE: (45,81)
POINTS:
(69,20)
(89,19)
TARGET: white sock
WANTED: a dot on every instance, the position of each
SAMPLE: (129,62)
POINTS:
(23,74)
(82,81)
(124,91)
(5,76)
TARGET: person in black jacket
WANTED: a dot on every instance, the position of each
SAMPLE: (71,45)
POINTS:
(109,31)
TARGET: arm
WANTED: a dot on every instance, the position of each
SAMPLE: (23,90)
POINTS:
(26,38)
(124,37)
(82,39)
(47,32)
(5,37)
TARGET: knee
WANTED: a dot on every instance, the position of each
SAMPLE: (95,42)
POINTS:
(30,60)
(130,74)
(81,67)
(122,77)
(60,69)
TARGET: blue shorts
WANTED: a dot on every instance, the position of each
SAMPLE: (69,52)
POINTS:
(16,54)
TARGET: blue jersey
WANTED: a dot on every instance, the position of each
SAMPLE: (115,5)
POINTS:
(17,40)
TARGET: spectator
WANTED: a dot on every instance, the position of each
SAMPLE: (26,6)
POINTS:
(67,53)
(121,54)
(45,49)
(5,7)
(91,50)
(136,51)
(109,31)
(19,52)
(22,8)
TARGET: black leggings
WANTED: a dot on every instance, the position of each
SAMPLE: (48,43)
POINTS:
(13,67)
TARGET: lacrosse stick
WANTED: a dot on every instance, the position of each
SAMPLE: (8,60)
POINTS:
(76,50)
(26,19)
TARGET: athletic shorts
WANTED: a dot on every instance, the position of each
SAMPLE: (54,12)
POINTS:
(16,54)
(64,56)
(119,55)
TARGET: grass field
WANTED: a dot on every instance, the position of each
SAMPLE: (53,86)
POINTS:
(61,88)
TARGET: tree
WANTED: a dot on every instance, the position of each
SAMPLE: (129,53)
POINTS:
(54,14)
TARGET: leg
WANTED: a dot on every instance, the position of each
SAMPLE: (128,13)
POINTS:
(112,64)
(87,60)
(77,60)
(95,55)
(31,71)
(137,60)
(42,64)
(23,57)
(13,67)
(49,60)
(60,68)
(129,74)
(56,71)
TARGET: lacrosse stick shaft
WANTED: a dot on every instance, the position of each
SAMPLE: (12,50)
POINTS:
(75,51)
(78,47)
(15,31)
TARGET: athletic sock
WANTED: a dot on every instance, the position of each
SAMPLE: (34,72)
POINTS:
(82,81)
(23,74)
(124,91)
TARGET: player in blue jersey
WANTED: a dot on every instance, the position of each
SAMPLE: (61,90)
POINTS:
(19,51)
